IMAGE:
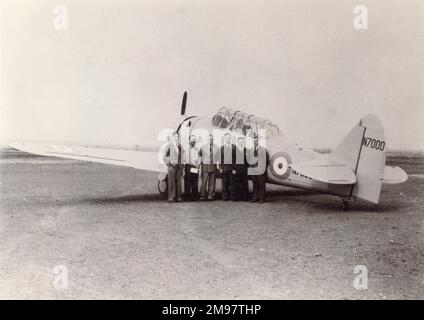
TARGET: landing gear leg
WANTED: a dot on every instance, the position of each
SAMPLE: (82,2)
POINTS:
(346,205)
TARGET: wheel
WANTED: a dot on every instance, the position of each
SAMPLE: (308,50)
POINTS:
(163,187)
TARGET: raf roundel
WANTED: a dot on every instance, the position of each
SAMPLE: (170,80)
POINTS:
(279,165)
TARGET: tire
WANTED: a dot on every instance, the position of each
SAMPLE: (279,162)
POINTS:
(163,187)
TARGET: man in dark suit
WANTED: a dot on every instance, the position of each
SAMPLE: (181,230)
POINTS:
(173,156)
(240,178)
(209,157)
(258,161)
(227,166)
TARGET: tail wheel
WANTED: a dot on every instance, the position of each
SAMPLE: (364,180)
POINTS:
(163,187)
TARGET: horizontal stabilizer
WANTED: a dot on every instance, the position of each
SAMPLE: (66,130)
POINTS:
(327,171)
(393,175)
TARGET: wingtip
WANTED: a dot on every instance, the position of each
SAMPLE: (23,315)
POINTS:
(16,145)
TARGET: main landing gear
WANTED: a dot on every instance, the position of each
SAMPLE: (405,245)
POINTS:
(346,203)
(163,184)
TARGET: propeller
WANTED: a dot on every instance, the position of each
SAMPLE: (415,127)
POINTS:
(184,103)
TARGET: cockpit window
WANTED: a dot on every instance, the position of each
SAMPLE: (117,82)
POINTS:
(230,119)
(224,123)
(239,124)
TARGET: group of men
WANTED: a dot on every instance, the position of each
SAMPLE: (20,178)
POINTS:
(234,162)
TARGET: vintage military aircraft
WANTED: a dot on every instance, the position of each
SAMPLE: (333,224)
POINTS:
(355,169)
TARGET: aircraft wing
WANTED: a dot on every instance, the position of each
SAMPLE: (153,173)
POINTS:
(326,170)
(145,159)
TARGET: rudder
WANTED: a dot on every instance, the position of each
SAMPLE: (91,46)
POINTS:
(364,150)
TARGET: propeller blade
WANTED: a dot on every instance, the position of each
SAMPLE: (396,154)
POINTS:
(183,105)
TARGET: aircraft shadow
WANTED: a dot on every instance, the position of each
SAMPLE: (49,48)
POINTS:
(359,206)
(127,198)
(280,194)
(329,203)
(302,198)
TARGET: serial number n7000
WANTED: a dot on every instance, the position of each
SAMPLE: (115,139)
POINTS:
(374,143)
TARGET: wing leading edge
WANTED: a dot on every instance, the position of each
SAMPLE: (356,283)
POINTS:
(144,159)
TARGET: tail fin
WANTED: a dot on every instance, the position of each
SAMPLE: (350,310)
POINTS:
(364,150)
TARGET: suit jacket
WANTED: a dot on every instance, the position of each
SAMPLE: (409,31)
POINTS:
(228,155)
(173,156)
(209,159)
(192,157)
(240,160)
(258,160)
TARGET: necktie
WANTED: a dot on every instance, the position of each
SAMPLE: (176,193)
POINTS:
(210,155)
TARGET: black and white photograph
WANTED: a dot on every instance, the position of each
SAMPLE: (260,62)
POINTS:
(211,150)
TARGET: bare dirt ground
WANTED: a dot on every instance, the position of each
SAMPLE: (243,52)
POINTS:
(118,238)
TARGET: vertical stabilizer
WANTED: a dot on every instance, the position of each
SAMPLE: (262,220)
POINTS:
(364,150)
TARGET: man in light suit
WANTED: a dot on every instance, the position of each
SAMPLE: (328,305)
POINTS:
(173,156)
(209,157)
(191,172)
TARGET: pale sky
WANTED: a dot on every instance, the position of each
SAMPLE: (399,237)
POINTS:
(117,73)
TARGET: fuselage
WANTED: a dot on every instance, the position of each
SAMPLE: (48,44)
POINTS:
(282,153)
